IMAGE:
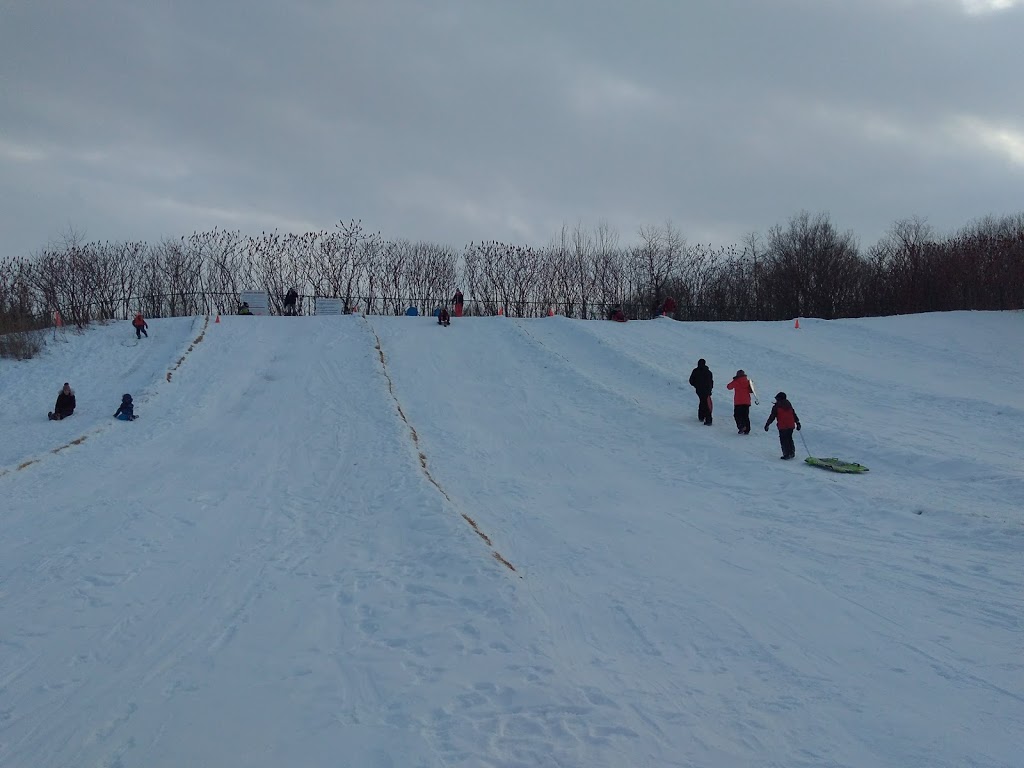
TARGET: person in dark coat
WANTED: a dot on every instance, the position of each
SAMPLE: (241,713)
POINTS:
(617,314)
(126,411)
(785,414)
(443,318)
(140,326)
(668,307)
(457,300)
(290,300)
(702,380)
(65,405)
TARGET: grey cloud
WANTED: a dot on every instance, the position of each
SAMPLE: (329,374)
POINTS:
(466,119)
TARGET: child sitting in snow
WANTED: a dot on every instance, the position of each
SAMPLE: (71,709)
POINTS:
(126,411)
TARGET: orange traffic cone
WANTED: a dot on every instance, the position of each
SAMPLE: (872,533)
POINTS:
(797,323)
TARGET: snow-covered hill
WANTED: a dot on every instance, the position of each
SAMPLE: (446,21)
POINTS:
(377,542)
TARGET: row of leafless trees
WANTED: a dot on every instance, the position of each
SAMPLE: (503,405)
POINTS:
(804,268)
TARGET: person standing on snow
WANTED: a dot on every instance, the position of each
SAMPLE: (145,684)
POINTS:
(784,412)
(458,300)
(289,302)
(703,381)
(65,405)
(140,326)
(741,389)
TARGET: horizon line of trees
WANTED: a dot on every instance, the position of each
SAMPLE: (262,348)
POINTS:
(804,268)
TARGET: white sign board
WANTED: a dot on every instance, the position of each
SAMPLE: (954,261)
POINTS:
(258,301)
(328,306)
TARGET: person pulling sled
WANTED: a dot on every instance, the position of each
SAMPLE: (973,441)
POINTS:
(784,413)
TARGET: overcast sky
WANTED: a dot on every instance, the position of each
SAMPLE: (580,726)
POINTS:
(460,120)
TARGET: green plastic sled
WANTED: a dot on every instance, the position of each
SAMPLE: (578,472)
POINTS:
(836,465)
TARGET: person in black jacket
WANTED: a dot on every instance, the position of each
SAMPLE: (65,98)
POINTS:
(702,380)
(65,405)
(290,301)
(443,318)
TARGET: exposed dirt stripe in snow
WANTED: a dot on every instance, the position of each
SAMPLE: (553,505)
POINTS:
(423,457)
(82,438)
(191,346)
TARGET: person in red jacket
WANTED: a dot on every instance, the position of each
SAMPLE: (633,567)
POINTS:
(785,414)
(741,391)
(140,326)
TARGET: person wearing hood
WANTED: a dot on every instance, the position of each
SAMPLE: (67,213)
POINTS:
(785,414)
(703,381)
(65,405)
(443,318)
(140,325)
(741,391)
(126,411)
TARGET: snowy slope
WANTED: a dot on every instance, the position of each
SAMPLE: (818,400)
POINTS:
(377,542)
(100,364)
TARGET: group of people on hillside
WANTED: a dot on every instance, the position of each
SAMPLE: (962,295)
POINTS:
(782,414)
(444,317)
(666,308)
(66,403)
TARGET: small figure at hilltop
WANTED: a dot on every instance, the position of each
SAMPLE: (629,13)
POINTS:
(290,300)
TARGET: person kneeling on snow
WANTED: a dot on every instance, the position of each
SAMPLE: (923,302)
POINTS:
(65,405)
(126,411)
(784,411)
(443,318)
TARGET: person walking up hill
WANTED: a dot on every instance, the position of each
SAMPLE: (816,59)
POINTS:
(703,381)
(741,392)
(784,412)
